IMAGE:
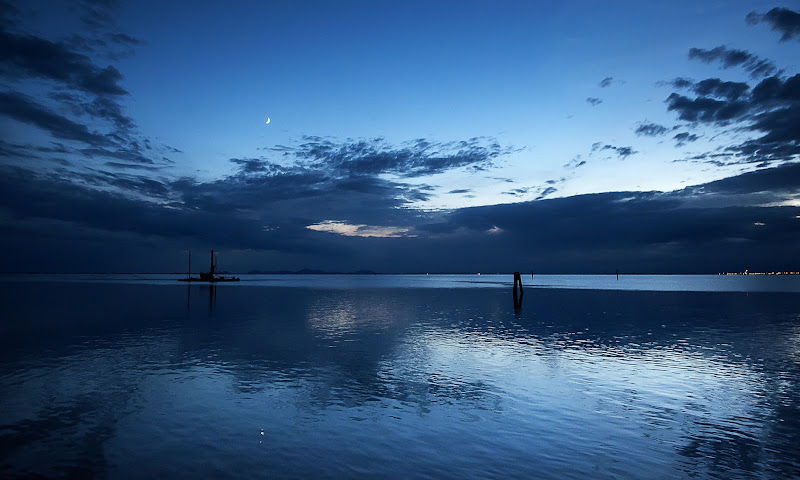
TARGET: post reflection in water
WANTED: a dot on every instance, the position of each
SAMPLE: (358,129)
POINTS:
(212,296)
(398,383)
(517,296)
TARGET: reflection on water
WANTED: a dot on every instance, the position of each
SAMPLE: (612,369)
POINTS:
(212,295)
(125,380)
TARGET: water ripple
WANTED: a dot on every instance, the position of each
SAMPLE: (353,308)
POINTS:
(295,382)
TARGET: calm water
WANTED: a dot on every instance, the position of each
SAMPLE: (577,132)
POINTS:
(400,377)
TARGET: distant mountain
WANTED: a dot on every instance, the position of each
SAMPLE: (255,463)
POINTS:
(309,271)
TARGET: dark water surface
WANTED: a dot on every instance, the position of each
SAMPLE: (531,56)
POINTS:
(256,380)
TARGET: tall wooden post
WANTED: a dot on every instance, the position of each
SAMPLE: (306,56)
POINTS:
(517,295)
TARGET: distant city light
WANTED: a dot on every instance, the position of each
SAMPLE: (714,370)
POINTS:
(746,272)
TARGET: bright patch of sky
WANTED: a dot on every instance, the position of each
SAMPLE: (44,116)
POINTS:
(350,230)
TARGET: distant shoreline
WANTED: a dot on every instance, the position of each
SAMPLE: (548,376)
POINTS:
(316,272)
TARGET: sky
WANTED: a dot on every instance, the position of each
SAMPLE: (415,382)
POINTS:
(408,137)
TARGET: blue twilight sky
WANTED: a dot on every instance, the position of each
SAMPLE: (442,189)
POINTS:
(518,72)
(394,127)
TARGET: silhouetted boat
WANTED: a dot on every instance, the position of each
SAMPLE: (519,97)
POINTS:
(209,276)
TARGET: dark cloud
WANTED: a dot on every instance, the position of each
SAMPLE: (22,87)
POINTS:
(771,110)
(24,109)
(547,192)
(105,149)
(516,192)
(683,138)
(131,155)
(70,200)
(594,101)
(622,152)
(677,82)
(233,212)
(704,109)
(782,20)
(54,153)
(779,183)
(103,108)
(780,140)
(249,166)
(606,82)
(502,179)
(124,39)
(130,184)
(682,231)
(63,91)
(718,159)
(11,150)
(650,129)
(111,46)
(729,57)
(323,180)
(460,190)
(133,166)
(576,162)
(717,88)
(773,91)
(412,159)
(643,231)
(97,14)
(28,56)
(8,14)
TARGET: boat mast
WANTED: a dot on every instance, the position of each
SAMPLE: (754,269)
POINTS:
(212,263)
(189,272)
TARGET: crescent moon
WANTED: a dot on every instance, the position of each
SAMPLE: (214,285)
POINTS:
(267,119)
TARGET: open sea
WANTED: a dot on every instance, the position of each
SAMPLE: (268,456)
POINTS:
(400,376)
